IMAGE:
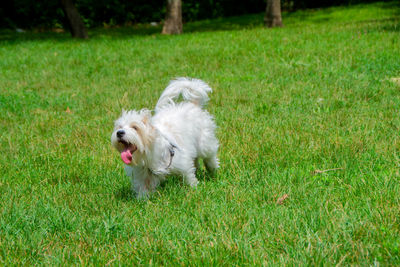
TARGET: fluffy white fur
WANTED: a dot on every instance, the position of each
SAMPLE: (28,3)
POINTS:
(172,140)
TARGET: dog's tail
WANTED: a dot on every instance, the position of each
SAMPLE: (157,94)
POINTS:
(192,90)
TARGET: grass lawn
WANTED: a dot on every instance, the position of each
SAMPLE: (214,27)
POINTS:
(291,104)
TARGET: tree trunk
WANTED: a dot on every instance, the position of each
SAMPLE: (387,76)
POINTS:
(75,22)
(273,16)
(173,18)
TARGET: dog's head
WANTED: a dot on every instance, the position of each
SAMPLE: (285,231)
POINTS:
(132,135)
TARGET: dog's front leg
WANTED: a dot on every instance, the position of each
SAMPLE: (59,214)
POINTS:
(143,183)
(141,187)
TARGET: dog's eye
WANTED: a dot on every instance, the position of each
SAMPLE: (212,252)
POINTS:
(134,127)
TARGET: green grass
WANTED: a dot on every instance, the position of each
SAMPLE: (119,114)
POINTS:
(314,95)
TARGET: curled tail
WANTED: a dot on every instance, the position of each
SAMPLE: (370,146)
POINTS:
(192,90)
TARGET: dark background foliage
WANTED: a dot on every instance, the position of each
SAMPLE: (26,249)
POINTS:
(46,14)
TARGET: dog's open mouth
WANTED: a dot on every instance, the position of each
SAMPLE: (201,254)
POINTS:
(126,154)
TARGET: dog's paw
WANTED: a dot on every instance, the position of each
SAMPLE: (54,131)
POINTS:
(193,183)
(144,195)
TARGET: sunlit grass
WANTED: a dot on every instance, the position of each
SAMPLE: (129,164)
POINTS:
(315,95)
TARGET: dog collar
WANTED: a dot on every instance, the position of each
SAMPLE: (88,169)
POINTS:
(171,153)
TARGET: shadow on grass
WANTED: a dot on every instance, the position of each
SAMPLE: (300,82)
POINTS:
(126,194)
(128,32)
(225,24)
(385,25)
(299,17)
(11,36)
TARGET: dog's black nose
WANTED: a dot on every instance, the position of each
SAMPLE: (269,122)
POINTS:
(120,133)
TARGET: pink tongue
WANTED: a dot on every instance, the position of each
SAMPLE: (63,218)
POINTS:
(126,156)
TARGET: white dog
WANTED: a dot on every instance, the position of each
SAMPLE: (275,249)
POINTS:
(170,142)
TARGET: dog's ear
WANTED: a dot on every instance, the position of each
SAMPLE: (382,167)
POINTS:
(146,115)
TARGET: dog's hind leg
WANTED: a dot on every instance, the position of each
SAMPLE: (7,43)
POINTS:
(211,163)
(190,177)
